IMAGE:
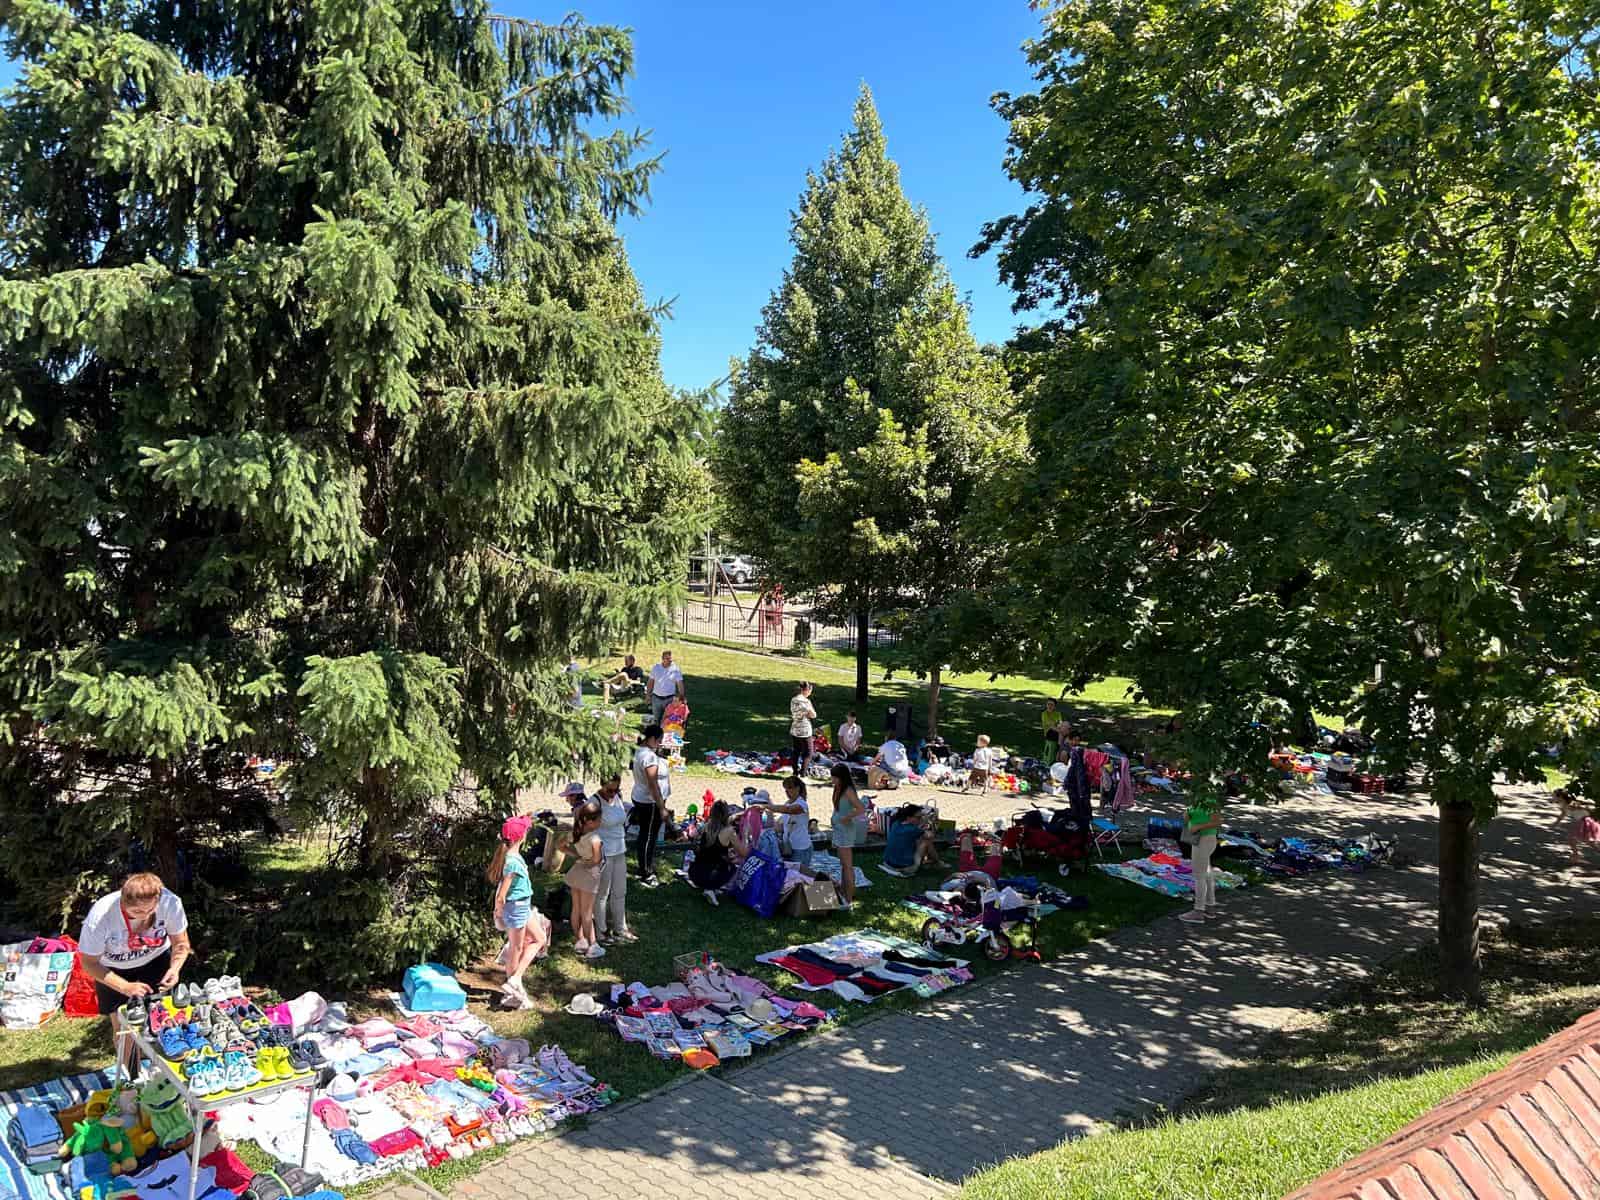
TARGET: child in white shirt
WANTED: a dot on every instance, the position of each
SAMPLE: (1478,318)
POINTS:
(982,765)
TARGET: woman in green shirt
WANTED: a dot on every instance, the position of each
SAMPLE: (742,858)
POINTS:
(1204,819)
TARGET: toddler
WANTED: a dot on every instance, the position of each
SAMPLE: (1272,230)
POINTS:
(1582,829)
(982,765)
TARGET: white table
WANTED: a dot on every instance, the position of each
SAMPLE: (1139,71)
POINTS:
(198,1106)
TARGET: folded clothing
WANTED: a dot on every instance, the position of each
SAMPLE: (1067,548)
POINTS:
(34,1128)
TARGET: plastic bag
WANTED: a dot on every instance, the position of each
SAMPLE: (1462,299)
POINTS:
(759,884)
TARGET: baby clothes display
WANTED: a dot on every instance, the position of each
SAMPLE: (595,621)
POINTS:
(864,965)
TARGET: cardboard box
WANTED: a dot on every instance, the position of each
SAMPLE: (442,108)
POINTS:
(812,899)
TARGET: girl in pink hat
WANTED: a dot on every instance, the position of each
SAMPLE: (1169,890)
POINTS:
(513,908)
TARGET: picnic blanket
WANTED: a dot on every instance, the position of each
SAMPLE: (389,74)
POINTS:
(1168,878)
(16,1181)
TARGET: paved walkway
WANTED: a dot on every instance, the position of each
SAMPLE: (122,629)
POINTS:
(907,1105)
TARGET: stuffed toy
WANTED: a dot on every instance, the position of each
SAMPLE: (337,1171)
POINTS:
(106,1136)
(163,1106)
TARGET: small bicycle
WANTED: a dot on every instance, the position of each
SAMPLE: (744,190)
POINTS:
(997,938)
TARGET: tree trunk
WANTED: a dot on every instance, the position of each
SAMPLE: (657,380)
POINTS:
(1459,973)
(933,702)
(862,647)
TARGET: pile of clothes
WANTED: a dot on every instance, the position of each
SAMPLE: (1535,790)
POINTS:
(974,896)
(709,1015)
(1168,872)
(415,1093)
(1293,856)
(864,965)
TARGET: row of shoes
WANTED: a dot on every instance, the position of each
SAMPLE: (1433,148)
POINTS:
(210,1073)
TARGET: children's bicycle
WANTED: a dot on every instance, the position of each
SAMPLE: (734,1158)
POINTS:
(993,932)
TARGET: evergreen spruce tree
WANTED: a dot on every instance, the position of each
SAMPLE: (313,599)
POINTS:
(330,423)
(860,421)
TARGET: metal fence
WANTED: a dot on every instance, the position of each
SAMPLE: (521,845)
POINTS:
(766,627)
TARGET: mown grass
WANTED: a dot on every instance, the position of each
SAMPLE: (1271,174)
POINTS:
(739,700)
(673,919)
(1333,1085)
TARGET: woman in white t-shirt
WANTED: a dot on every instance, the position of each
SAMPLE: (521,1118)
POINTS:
(801,714)
(133,944)
(652,784)
(796,832)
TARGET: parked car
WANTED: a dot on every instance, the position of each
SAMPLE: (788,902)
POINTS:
(738,568)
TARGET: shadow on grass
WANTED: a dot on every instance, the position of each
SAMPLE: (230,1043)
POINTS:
(1538,980)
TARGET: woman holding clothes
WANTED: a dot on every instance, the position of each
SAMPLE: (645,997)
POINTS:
(611,900)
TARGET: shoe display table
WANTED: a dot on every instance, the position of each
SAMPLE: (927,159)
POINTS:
(199,1105)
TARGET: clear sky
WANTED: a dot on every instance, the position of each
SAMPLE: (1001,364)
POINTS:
(745,95)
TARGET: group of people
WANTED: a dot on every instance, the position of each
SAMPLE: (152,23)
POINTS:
(887,768)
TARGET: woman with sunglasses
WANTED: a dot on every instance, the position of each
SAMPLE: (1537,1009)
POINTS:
(134,943)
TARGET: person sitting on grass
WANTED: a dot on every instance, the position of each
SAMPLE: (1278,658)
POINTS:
(628,681)
(717,852)
(850,737)
(910,841)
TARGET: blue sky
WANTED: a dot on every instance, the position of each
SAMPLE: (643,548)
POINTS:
(745,96)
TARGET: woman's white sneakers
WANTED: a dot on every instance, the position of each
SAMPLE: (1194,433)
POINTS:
(711,896)
(1193,917)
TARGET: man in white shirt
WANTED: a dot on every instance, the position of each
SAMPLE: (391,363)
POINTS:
(666,682)
(850,736)
(891,767)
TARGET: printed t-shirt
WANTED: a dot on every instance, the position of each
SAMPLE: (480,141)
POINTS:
(105,932)
(800,714)
(797,826)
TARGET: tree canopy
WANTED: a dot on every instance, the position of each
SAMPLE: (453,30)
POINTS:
(1317,368)
(866,411)
(330,414)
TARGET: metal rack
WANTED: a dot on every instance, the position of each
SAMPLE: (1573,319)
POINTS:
(198,1106)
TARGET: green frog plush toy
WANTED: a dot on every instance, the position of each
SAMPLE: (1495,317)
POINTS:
(161,1102)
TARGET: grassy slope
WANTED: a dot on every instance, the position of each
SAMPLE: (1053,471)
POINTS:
(740,700)
(1330,1087)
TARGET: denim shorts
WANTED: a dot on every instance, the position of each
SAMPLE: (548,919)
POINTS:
(800,858)
(848,834)
(517,912)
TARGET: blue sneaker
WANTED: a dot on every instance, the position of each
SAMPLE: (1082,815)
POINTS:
(193,1039)
(173,1044)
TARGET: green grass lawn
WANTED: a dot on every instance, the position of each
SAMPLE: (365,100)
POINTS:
(1330,1087)
(739,700)
(670,920)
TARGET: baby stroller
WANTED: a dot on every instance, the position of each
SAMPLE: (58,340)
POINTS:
(1056,836)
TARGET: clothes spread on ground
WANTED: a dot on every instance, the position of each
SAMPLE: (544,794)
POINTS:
(864,965)
(710,1014)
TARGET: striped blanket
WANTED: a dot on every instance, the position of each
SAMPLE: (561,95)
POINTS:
(16,1181)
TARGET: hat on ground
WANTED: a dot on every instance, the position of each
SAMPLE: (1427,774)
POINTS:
(573,789)
(342,1088)
(763,797)
(516,828)
(760,1009)
(584,1005)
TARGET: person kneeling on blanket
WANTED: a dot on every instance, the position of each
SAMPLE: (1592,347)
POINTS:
(910,841)
(716,853)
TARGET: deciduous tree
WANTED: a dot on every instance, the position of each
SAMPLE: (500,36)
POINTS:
(1318,376)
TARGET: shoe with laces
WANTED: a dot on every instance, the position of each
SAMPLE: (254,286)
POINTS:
(173,1047)
(594,951)
(134,1011)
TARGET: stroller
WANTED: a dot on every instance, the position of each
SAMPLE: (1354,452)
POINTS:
(1055,835)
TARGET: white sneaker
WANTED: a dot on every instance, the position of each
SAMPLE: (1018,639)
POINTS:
(1193,917)
(711,896)
(594,951)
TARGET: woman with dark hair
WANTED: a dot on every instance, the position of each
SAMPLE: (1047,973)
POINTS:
(717,852)
(796,813)
(652,784)
(801,734)
(910,841)
(849,829)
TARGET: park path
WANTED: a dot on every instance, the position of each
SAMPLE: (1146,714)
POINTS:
(907,1105)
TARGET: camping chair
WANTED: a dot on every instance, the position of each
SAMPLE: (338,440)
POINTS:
(1104,832)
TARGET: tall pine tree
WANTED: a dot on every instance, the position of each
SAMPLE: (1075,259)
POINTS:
(328,415)
(860,421)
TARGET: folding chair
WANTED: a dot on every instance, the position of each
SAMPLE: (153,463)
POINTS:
(1104,832)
